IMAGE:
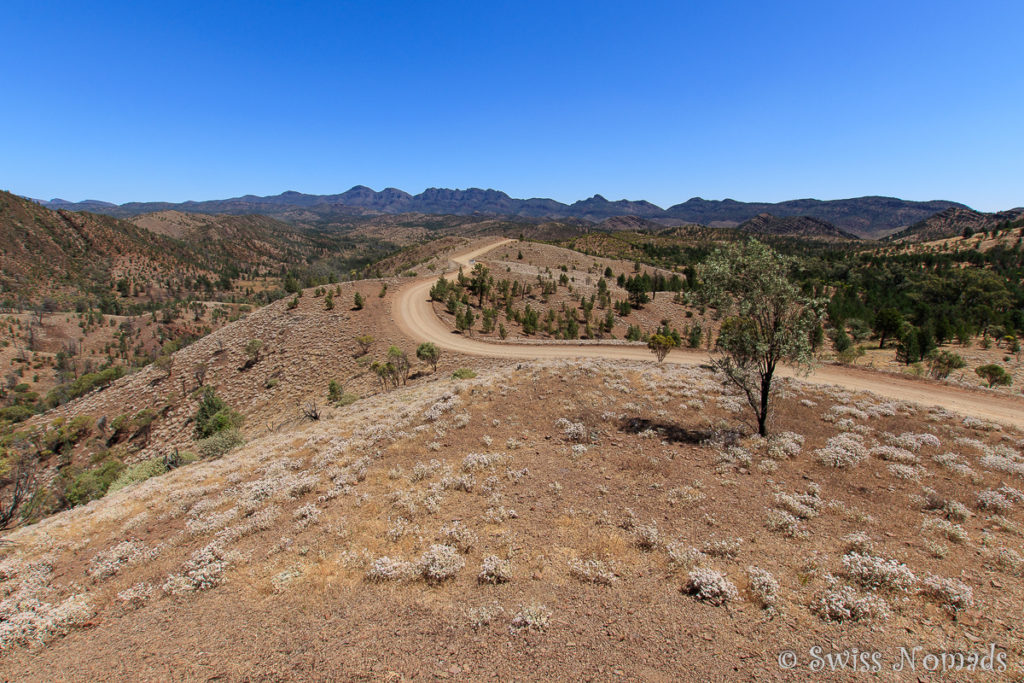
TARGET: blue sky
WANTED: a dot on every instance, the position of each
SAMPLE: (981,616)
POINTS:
(139,101)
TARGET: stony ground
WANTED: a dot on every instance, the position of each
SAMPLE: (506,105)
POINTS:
(586,520)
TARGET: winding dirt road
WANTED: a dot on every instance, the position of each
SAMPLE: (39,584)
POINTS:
(415,316)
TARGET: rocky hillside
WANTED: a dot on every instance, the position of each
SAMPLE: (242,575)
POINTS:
(793,226)
(63,255)
(953,222)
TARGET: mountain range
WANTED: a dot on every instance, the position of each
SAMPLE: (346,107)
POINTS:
(868,217)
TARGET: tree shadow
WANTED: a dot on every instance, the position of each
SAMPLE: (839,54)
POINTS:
(668,432)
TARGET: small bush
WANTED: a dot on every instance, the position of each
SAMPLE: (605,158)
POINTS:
(495,570)
(708,585)
(463,373)
(954,596)
(534,617)
(220,443)
(841,604)
(763,586)
(214,415)
(875,572)
(140,471)
(439,563)
(592,571)
(92,484)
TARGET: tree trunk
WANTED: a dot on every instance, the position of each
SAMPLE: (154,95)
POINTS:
(762,414)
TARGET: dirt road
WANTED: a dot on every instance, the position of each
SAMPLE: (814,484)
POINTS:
(415,317)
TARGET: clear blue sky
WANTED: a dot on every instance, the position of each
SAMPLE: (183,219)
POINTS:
(752,100)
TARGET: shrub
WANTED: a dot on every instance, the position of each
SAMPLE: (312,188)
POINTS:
(995,375)
(92,484)
(495,570)
(214,415)
(993,501)
(463,373)
(708,585)
(842,451)
(204,570)
(140,471)
(439,563)
(459,535)
(592,571)
(389,569)
(684,556)
(83,385)
(942,363)
(763,586)
(875,572)
(220,443)
(784,522)
(841,603)
(429,353)
(534,617)
(953,595)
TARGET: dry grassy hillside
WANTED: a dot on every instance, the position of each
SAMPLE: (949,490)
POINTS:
(577,520)
(303,349)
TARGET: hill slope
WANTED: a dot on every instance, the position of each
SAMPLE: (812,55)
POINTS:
(61,254)
(952,222)
(546,520)
(793,226)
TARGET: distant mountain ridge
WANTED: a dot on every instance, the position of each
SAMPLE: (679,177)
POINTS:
(871,217)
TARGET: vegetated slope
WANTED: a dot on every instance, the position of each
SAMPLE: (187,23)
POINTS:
(793,226)
(870,217)
(305,345)
(61,254)
(256,242)
(545,520)
(953,222)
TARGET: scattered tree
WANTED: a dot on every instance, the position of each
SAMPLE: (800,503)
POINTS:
(660,345)
(429,353)
(357,302)
(364,342)
(767,320)
(995,375)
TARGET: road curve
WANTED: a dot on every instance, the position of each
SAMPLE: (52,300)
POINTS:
(415,317)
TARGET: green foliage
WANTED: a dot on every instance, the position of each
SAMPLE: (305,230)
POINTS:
(140,471)
(214,415)
(334,391)
(634,333)
(661,344)
(92,484)
(463,373)
(364,342)
(995,375)
(429,353)
(357,301)
(850,354)
(252,350)
(942,363)
(767,319)
(694,336)
(15,413)
(67,392)
(219,443)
